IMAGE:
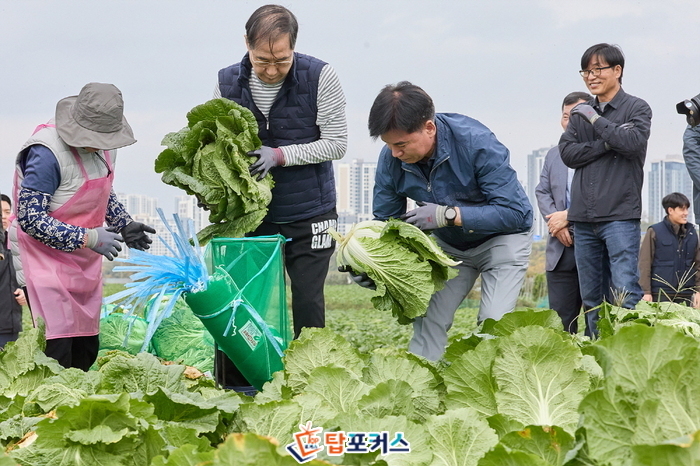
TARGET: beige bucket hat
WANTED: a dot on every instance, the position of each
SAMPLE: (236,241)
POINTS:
(94,118)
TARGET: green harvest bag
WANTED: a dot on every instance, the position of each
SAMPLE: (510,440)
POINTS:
(244,306)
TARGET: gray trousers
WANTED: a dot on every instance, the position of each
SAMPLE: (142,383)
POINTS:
(501,261)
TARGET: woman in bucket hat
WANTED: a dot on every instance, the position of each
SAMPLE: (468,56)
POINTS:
(63,198)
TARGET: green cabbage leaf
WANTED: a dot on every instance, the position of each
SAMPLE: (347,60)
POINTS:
(407,266)
(540,378)
(208,159)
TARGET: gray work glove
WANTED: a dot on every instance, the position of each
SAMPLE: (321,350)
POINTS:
(585,111)
(427,216)
(268,158)
(134,235)
(104,241)
(361,279)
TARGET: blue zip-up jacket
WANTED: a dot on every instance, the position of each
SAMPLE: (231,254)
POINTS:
(302,191)
(470,170)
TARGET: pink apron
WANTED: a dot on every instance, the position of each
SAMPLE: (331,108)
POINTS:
(65,288)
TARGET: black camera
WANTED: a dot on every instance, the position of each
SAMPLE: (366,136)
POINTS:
(691,109)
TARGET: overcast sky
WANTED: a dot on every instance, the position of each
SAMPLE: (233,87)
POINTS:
(506,63)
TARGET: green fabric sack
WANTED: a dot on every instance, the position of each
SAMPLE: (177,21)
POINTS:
(244,306)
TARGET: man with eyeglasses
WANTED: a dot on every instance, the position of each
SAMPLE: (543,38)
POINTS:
(300,108)
(606,142)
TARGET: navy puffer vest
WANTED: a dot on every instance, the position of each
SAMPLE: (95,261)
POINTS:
(673,259)
(301,191)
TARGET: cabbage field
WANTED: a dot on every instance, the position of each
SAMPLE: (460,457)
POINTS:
(519,391)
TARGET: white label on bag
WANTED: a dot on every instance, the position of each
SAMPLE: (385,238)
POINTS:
(251,334)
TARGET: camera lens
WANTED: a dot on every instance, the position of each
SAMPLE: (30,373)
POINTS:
(691,109)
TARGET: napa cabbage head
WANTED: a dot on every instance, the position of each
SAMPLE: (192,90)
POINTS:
(407,266)
(208,158)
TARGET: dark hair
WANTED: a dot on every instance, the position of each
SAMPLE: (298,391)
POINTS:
(403,107)
(574,97)
(612,54)
(674,200)
(6,198)
(270,22)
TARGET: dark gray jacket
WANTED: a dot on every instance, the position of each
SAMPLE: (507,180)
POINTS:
(691,155)
(551,197)
(607,185)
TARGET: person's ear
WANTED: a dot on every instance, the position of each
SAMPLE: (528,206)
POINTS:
(430,128)
(617,70)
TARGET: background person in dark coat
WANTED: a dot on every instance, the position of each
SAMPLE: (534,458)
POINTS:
(12,297)
(691,155)
(606,142)
(553,199)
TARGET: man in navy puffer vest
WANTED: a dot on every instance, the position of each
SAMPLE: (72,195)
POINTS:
(669,258)
(300,108)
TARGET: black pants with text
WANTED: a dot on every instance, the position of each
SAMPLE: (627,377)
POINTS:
(306,256)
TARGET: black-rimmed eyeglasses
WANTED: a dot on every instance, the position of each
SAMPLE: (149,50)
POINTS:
(594,71)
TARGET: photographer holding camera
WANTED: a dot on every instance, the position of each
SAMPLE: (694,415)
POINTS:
(691,146)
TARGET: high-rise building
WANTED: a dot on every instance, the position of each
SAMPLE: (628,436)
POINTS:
(342,187)
(187,208)
(535,161)
(354,186)
(138,204)
(668,176)
(143,209)
(162,236)
(191,216)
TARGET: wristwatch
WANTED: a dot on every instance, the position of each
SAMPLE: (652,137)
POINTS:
(450,216)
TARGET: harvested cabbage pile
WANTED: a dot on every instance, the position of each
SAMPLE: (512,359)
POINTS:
(122,332)
(208,159)
(182,337)
(406,265)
